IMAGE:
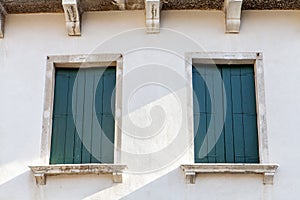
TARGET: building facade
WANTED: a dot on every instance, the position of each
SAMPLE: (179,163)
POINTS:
(149,99)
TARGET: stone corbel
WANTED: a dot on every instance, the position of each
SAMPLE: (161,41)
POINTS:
(117,177)
(268,178)
(190,177)
(40,179)
(233,10)
(152,8)
(72,15)
(3,13)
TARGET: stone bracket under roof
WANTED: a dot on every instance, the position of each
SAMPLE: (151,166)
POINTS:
(72,16)
(233,9)
(152,8)
(3,13)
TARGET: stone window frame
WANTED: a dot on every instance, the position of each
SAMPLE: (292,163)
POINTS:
(44,168)
(263,167)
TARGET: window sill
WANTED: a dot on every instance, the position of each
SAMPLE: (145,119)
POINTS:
(41,172)
(268,170)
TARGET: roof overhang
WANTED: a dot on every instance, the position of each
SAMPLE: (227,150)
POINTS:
(54,6)
(232,9)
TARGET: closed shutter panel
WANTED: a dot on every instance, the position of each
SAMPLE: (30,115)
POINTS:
(237,114)
(200,112)
(238,142)
(228,125)
(60,117)
(249,115)
(92,93)
(107,118)
(71,130)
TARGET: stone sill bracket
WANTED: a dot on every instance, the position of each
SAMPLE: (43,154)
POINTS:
(41,172)
(268,170)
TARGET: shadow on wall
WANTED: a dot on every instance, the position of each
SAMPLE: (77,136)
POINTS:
(168,186)
(18,187)
(57,187)
(208,186)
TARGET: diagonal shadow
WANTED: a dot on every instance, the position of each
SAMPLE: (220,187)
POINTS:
(74,187)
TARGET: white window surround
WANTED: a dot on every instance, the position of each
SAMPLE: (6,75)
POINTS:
(264,167)
(44,168)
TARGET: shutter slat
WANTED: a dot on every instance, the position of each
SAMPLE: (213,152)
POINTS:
(97,119)
(249,115)
(79,86)
(71,130)
(228,129)
(210,117)
(88,118)
(59,118)
(108,129)
(238,130)
(219,116)
(199,103)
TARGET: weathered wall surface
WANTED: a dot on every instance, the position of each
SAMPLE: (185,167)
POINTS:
(30,38)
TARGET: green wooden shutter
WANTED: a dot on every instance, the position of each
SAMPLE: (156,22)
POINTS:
(237,114)
(228,125)
(71,130)
(249,115)
(60,117)
(93,92)
(238,142)
(107,119)
(201,108)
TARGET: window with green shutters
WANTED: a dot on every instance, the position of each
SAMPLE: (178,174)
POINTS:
(238,141)
(83,120)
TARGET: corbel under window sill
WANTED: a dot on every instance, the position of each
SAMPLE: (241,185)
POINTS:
(41,172)
(268,170)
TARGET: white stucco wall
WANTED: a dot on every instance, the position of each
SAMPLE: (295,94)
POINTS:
(30,38)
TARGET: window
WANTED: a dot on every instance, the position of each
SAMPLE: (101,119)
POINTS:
(83,119)
(237,141)
(81,133)
(227,115)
